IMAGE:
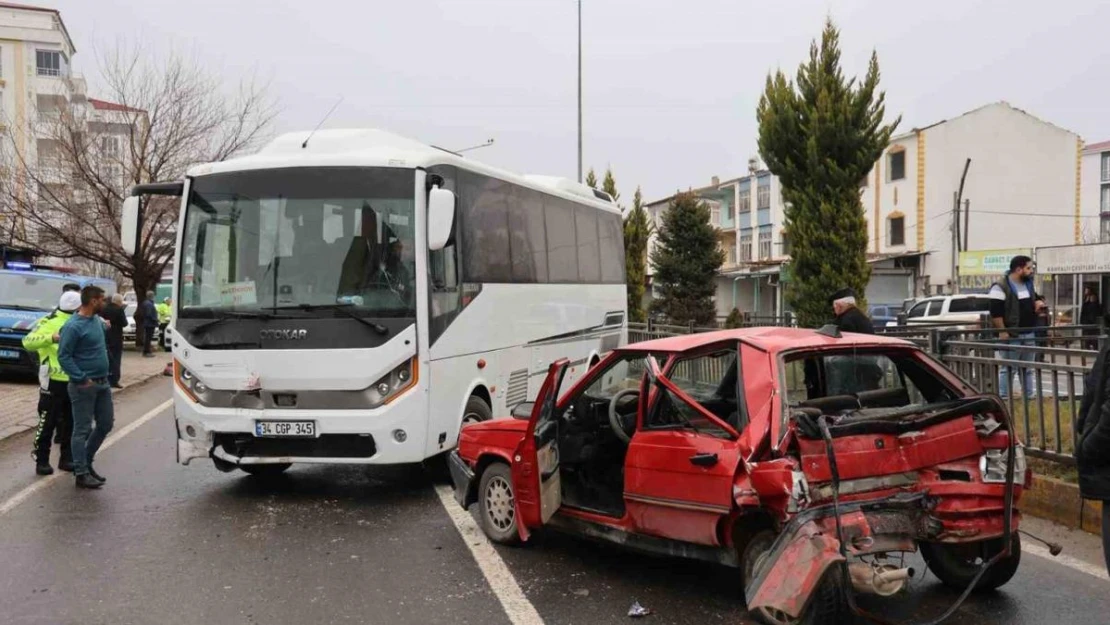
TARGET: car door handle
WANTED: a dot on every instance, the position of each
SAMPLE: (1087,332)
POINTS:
(703,460)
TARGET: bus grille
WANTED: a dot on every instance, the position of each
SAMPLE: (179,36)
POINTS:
(518,388)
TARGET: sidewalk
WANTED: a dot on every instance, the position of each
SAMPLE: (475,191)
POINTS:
(19,398)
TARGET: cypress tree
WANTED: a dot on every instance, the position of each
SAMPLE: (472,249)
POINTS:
(687,258)
(637,230)
(821,134)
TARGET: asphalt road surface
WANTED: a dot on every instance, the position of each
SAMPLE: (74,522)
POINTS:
(162,543)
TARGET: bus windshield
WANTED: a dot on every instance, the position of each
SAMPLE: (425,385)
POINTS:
(300,238)
(30,291)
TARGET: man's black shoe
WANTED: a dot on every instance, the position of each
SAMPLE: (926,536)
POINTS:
(66,465)
(43,468)
(88,481)
(98,476)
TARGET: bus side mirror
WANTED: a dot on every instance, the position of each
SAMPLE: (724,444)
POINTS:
(441,217)
(129,225)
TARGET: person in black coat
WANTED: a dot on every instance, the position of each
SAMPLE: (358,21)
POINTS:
(849,318)
(116,316)
(1092,448)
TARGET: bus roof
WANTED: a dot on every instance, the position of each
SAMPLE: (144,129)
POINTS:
(378,148)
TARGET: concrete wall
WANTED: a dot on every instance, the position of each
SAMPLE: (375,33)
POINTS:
(1019,164)
(883,198)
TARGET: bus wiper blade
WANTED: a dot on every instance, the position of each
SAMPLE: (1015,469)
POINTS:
(228,345)
(344,309)
(228,314)
(21,307)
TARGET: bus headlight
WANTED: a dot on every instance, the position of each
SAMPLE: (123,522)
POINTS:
(193,388)
(992,465)
(401,379)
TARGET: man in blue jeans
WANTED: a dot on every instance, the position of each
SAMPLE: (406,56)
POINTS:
(1013,309)
(83,355)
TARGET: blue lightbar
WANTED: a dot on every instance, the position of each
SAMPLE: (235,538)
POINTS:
(19,266)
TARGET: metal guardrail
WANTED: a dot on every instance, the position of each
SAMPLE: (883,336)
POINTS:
(1041,378)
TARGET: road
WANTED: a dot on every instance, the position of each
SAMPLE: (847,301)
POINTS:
(162,543)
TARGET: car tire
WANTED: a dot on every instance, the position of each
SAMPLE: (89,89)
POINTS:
(957,564)
(827,605)
(497,505)
(476,411)
(265,471)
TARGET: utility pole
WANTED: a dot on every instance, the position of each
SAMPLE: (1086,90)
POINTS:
(579,90)
(955,242)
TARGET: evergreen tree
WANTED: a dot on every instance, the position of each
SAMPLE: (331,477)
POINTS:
(735,319)
(686,260)
(609,185)
(591,179)
(821,134)
(637,230)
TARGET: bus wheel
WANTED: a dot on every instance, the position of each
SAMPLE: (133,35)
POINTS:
(477,410)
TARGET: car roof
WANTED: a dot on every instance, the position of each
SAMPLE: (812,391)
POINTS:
(769,339)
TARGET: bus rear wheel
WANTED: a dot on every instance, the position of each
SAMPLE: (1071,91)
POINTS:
(477,410)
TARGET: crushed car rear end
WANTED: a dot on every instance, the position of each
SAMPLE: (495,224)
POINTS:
(919,463)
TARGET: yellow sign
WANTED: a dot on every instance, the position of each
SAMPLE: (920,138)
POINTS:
(992,263)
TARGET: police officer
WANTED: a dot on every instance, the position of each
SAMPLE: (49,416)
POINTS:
(55,412)
(164,313)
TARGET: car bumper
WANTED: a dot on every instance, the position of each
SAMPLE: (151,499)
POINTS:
(462,478)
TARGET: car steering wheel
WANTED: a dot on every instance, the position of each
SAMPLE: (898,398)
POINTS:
(615,420)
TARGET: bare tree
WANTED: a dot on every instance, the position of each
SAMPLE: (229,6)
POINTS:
(159,115)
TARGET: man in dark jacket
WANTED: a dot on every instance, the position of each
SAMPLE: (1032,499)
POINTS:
(849,318)
(116,316)
(1092,449)
(150,323)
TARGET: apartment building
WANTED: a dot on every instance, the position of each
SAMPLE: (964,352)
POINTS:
(1095,192)
(748,214)
(1022,186)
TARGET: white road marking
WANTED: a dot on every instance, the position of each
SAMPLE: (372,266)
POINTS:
(22,495)
(517,607)
(1065,560)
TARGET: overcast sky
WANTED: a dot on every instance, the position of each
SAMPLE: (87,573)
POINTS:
(670,86)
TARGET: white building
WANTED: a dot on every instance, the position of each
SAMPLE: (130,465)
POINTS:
(748,213)
(1096,192)
(1023,185)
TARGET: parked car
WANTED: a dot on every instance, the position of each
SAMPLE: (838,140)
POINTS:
(948,309)
(130,330)
(759,449)
(882,314)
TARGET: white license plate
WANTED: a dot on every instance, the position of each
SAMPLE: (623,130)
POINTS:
(9,354)
(285,428)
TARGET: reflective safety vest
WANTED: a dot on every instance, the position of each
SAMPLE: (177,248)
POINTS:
(41,340)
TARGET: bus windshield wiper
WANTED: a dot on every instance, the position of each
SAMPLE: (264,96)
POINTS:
(344,309)
(224,315)
(21,307)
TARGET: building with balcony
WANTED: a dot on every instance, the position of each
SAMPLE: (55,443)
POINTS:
(1095,190)
(748,214)
(1022,187)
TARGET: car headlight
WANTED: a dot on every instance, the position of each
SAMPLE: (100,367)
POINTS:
(402,378)
(992,465)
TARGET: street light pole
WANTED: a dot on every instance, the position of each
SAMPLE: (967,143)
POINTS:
(579,90)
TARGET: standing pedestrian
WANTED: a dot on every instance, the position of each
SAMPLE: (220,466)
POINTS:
(1014,305)
(116,315)
(1092,450)
(150,323)
(1089,314)
(849,318)
(55,415)
(165,311)
(83,355)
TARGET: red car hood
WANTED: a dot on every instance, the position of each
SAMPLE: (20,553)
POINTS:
(496,425)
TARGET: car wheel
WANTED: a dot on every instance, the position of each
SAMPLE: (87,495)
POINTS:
(477,410)
(265,470)
(826,606)
(957,564)
(497,505)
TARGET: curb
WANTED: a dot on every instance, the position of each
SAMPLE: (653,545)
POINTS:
(32,422)
(1058,501)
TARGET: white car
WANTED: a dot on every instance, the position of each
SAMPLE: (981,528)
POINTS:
(129,331)
(948,309)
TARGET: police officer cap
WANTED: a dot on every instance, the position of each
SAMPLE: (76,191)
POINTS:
(70,301)
(841,294)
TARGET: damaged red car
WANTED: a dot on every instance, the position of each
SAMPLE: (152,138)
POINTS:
(811,462)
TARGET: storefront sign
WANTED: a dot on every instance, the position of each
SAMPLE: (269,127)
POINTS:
(992,263)
(1074,259)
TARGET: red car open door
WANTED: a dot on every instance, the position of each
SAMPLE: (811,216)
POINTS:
(535,465)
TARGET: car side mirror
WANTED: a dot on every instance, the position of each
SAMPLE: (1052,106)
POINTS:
(523,410)
(441,217)
(129,225)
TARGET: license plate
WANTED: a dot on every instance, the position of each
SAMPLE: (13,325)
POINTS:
(285,428)
(9,354)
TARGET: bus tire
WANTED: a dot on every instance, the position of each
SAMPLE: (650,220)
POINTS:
(477,410)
